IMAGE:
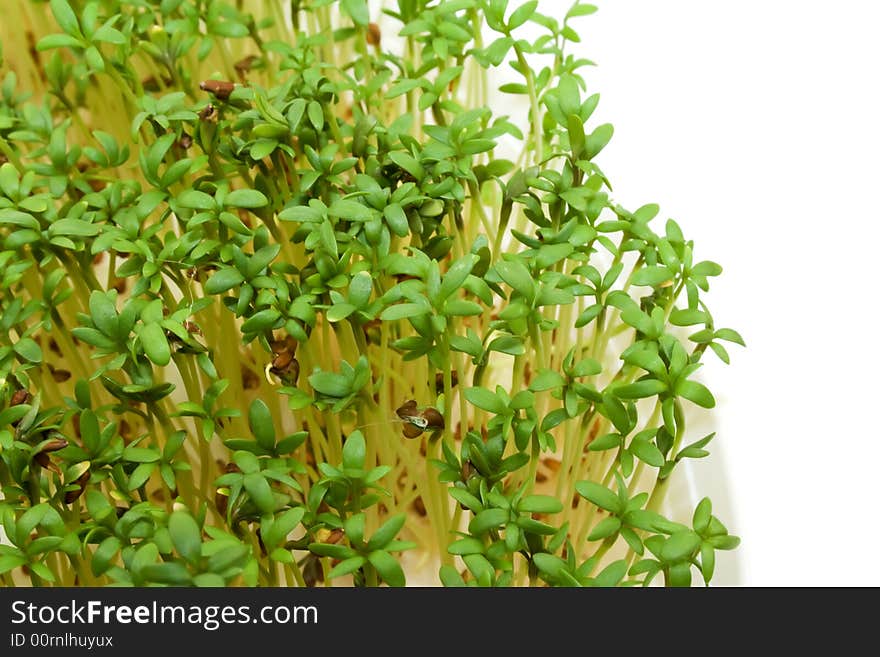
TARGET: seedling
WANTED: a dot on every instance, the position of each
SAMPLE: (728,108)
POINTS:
(247,245)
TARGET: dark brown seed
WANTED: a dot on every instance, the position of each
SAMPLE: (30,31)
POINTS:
(282,360)
(335,536)
(192,327)
(434,418)
(185,141)
(20,397)
(219,88)
(467,470)
(72,496)
(312,571)
(438,381)
(243,66)
(60,376)
(287,343)
(285,367)
(412,431)
(408,410)
(419,506)
(374,34)
(208,113)
(249,380)
(54,445)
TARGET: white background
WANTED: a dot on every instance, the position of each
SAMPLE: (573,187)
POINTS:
(755,125)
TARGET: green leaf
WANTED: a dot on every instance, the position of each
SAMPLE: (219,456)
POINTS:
(261,424)
(591,313)
(156,344)
(408,163)
(185,535)
(330,384)
(339,312)
(540,504)
(227,557)
(51,41)
(42,571)
(197,200)
(346,566)
(388,568)
(29,350)
(640,389)
(11,561)
(172,572)
(488,519)
(706,268)
(137,454)
(103,312)
(450,577)
(65,17)
(467,545)
(702,515)
(73,228)
(223,280)
(605,528)
(350,210)
(612,574)
(695,392)
(522,14)
(354,451)
(687,317)
(354,528)
(599,495)
(455,276)
(261,321)
(598,139)
(465,308)
(316,114)
(648,452)
(608,441)
(246,198)
(403,311)
(386,533)
(102,558)
(515,274)
(730,336)
(680,546)
(259,491)
(652,276)
(357,10)
(485,399)
(580,10)
(549,564)
(396,219)
(284,524)
(707,561)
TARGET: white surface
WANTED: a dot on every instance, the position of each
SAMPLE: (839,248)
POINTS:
(756,125)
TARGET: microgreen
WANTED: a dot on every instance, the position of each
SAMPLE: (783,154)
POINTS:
(275,309)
